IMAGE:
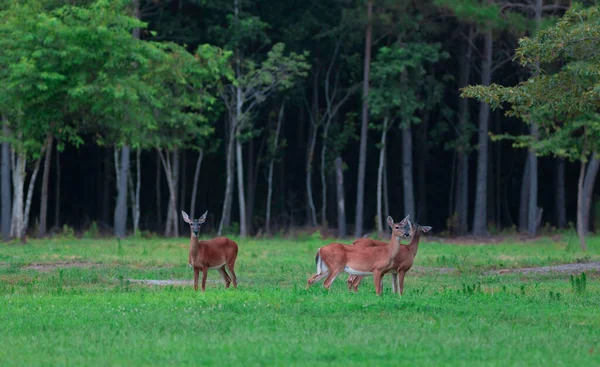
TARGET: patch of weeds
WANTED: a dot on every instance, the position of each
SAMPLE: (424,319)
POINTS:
(92,232)
(554,296)
(61,279)
(578,283)
(119,248)
(472,289)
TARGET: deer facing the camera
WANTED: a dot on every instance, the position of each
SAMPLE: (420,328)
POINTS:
(216,253)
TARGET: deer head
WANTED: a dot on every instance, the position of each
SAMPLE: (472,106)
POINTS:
(400,229)
(194,223)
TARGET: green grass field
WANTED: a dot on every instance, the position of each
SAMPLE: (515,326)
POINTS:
(83,310)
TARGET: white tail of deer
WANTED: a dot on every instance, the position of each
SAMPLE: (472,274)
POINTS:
(401,263)
(216,253)
(334,258)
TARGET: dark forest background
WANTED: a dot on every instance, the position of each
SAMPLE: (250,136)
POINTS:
(421,54)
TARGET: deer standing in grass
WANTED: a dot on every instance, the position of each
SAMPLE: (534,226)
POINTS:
(216,253)
(334,258)
(401,263)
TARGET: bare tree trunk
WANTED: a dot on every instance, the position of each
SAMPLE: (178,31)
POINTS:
(524,198)
(380,176)
(241,195)
(18,175)
(227,202)
(158,191)
(135,194)
(422,162)
(271,164)
(532,209)
(32,180)
(250,166)
(588,190)
(170,165)
(45,179)
(341,206)
(407,172)
(122,170)
(480,215)
(580,209)
(386,197)
(561,211)
(183,175)
(323,173)
(362,155)
(462,176)
(173,210)
(57,190)
(309,159)
(6,179)
(196,179)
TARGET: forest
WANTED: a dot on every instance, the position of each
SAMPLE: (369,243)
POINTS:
(473,116)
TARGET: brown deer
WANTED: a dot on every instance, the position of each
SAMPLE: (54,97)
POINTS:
(215,253)
(401,263)
(334,258)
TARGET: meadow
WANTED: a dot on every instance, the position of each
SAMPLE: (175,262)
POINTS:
(69,301)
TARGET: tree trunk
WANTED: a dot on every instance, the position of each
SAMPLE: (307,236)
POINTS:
(323,174)
(380,176)
(196,179)
(386,197)
(532,209)
(135,194)
(171,166)
(5,212)
(341,206)
(480,215)
(407,173)
(561,211)
(462,175)
(250,184)
(57,190)
(580,209)
(241,195)
(158,191)
(18,175)
(45,179)
(227,202)
(362,155)
(422,168)
(122,170)
(271,164)
(183,175)
(524,198)
(588,190)
(32,180)
(309,160)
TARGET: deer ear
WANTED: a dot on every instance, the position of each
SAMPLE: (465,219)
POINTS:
(405,220)
(185,216)
(390,221)
(202,218)
(426,229)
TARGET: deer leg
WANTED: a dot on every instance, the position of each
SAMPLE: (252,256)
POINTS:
(401,281)
(204,273)
(225,276)
(315,278)
(230,265)
(377,281)
(331,277)
(357,281)
(394,282)
(196,274)
(350,282)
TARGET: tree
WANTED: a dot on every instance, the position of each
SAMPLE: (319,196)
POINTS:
(362,153)
(568,120)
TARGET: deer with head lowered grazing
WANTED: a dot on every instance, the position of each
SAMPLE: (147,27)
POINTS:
(334,258)
(402,262)
(216,253)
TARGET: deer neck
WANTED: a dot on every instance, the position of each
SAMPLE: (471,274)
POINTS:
(194,245)
(394,246)
(413,246)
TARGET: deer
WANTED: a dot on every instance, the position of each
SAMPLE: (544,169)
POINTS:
(402,262)
(334,258)
(216,253)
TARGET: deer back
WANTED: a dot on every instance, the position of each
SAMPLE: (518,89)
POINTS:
(214,252)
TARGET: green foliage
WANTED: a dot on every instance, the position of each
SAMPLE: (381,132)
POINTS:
(578,283)
(400,81)
(567,116)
